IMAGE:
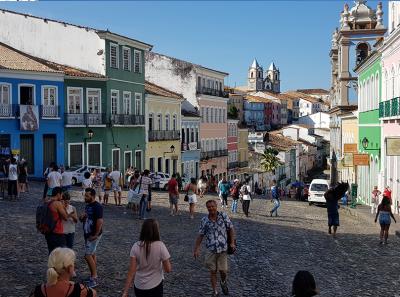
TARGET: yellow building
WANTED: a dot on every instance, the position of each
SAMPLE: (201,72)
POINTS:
(163,126)
(349,135)
(243,152)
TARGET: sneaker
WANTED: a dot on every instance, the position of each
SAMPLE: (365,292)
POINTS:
(92,283)
(224,287)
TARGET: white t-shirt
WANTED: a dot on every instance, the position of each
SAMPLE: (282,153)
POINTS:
(115,175)
(54,179)
(149,272)
(12,172)
(87,183)
(66,179)
(69,225)
(246,197)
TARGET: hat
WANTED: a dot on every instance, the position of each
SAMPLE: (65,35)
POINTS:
(235,180)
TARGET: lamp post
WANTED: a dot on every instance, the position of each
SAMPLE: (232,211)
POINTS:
(365,143)
(90,136)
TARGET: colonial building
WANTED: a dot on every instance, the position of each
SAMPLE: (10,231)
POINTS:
(233,154)
(203,88)
(258,80)
(163,128)
(243,152)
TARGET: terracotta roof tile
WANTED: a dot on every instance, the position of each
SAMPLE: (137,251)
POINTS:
(313,91)
(280,142)
(159,91)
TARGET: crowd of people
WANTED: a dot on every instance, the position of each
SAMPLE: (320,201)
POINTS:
(16,172)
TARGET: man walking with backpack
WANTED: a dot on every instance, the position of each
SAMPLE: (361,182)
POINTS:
(49,217)
(245,191)
(275,198)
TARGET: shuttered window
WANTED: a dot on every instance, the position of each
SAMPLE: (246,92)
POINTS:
(113,55)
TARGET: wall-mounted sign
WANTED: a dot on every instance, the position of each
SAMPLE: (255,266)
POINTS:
(192,146)
(360,159)
(350,148)
(393,146)
(348,160)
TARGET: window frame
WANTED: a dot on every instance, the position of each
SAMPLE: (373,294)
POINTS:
(33,92)
(87,153)
(111,101)
(139,98)
(44,87)
(87,99)
(9,92)
(81,93)
(140,61)
(129,61)
(124,111)
(116,45)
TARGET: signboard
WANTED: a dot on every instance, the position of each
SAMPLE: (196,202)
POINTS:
(360,159)
(15,152)
(29,115)
(393,146)
(192,146)
(348,160)
(350,148)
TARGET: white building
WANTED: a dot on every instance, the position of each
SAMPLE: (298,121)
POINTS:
(315,120)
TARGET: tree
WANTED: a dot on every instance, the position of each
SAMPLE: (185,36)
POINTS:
(233,112)
(269,159)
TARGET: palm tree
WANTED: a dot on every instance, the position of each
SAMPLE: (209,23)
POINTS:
(269,160)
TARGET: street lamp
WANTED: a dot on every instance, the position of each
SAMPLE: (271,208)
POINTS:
(172,148)
(365,143)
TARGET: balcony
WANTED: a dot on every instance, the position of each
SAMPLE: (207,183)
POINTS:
(127,119)
(49,111)
(191,146)
(8,110)
(232,165)
(157,135)
(243,164)
(389,108)
(213,154)
(212,92)
(84,119)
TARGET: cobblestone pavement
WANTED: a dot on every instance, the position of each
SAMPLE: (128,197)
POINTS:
(270,251)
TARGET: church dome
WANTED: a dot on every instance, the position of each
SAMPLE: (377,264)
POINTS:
(361,13)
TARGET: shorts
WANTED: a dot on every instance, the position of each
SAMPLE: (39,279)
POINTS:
(173,199)
(116,188)
(216,261)
(66,188)
(106,191)
(384,219)
(192,199)
(333,219)
(98,190)
(91,246)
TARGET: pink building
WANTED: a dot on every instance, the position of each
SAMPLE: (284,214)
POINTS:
(233,155)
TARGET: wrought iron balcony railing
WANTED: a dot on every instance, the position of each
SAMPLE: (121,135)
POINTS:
(213,154)
(88,119)
(212,92)
(8,110)
(232,165)
(49,111)
(158,135)
(127,119)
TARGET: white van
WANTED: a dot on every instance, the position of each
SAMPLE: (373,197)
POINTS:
(317,189)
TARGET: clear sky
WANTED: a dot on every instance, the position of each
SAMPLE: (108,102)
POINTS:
(223,35)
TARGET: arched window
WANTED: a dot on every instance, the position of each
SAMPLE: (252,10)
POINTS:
(392,86)
(151,122)
(251,74)
(372,105)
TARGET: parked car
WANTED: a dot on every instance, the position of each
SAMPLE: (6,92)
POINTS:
(78,172)
(164,179)
(317,189)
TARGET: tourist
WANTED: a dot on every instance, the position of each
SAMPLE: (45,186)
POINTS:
(93,229)
(192,191)
(69,224)
(56,237)
(107,185)
(375,199)
(45,175)
(157,180)
(202,186)
(388,193)
(173,193)
(149,259)
(116,185)
(145,183)
(87,181)
(332,196)
(245,191)
(53,179)
(22,175)
(275,198)
(66,179)
(235,193)
(133,185)
(60,271)
(224,188)
(304,285)
(215,228)
(97,182)
(384,212)
(13,179)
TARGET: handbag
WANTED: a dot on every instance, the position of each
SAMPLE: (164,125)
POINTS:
(136,194)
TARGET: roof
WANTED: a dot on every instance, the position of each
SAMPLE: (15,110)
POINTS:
(153,89)
(135,41)
(280,142)
(13,59)
(313,91)
(300,95)
(188,113)
(343,108)
(272,67)
(255,64)
(253,98)
(303,141)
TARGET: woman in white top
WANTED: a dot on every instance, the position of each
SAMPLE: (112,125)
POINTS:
(69,225)
(13,179)
(245,191)
(149,260)
(191,191)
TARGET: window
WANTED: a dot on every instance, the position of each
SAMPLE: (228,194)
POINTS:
(138,160)
(75,154)
(93,97)
(191,135)
(138,104)
(75,101)
(152,168)
(199,83)
(203,115)
(197,135)
(115,158)
(188,134)
(159,122)
(138,61)
(5,94)
(94,154)
(127,102)
(151,122)
(26,95)
(207,112)
(113,55)
(114,101)
(49,96)
(174,123)
(167,122)
(212,115)
(159,164)
(167,166)
(126,55)
(223,115)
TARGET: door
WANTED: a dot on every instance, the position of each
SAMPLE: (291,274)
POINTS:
(138,160)
(94,154)
(115,159)
(127,160)
(27,151)
(49,149)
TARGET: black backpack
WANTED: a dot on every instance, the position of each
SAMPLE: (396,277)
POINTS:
(45,222)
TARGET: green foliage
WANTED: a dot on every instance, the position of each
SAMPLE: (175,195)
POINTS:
(269,160)
(233,112)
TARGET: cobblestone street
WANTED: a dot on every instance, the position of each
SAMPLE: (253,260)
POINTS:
(270,250)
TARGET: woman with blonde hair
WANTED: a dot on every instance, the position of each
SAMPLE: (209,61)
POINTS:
(61,268)
(149,260)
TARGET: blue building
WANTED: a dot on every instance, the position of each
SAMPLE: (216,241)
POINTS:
(31,110)
(254,115)
(190,144)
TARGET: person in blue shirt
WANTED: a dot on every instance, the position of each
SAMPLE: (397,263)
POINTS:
(275,198)
(224,188)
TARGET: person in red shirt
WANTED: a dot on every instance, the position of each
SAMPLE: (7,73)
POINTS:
(173,193)
(388,193)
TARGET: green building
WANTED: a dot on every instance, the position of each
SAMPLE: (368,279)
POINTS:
(104,120)
(369,130)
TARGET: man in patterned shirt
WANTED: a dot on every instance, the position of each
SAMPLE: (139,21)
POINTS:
(215,228)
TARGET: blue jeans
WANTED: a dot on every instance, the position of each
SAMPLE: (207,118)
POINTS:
(143,207)
(277,204)
(234,205)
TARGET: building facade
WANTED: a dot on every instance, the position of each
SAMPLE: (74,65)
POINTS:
(233,153)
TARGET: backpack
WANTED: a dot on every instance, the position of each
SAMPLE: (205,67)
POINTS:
(234,191)
(45,222)
(244,190)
